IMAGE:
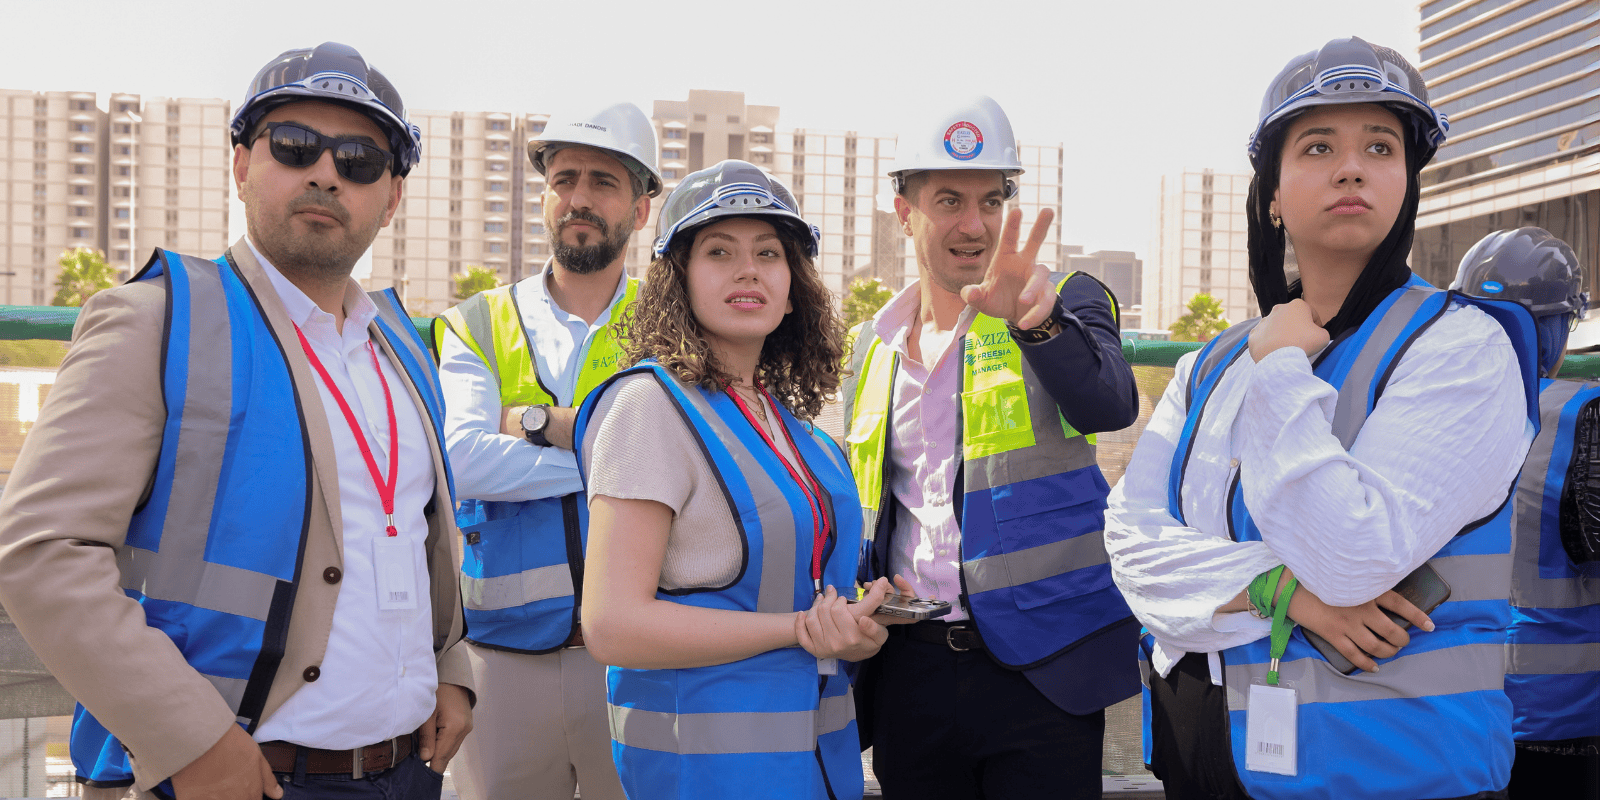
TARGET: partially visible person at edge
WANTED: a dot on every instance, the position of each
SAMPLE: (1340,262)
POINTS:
(723,529)
(971,401)
(229,534)
(1552,674)
(1303,463)
(515,362)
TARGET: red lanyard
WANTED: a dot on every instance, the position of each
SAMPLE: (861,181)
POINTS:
(385,487)
(820,527)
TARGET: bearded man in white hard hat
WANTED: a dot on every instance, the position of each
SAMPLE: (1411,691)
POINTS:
(972,403)
(515,362)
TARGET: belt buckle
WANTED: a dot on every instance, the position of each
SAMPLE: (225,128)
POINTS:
(949,638)
(356,763)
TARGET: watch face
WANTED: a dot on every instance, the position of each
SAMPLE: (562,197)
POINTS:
(535,419)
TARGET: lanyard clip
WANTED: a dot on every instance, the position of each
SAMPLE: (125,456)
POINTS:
(391,529)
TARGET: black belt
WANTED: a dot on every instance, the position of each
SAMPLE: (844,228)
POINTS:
(958,636)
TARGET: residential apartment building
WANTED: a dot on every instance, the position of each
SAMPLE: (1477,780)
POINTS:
(1200,247)
(1519,81)
(122,179)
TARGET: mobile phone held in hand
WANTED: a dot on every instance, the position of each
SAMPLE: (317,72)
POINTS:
(1423,588)
(911,607)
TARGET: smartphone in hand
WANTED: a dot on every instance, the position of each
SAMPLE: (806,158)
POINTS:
(1423,588)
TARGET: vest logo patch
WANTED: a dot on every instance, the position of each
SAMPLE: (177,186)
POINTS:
(605,361)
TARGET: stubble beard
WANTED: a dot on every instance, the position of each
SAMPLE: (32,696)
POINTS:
(327,254)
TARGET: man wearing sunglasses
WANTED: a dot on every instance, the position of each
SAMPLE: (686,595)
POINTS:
(515,362)
(229,534)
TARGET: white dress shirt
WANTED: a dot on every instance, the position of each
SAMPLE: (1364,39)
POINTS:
(922,450)
(488,464)
(378,675)
(1439,451)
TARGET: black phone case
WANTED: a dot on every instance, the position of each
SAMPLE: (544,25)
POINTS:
(1423,588)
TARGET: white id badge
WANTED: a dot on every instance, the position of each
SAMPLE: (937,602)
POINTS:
(396,573)
(827,666)
(1270,732)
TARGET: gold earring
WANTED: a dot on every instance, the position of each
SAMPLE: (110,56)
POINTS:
(1277,221)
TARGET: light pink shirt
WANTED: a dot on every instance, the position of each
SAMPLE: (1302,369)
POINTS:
(378,675)
(922,451)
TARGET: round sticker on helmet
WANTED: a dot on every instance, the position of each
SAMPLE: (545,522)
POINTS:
(1492,287)
(963,141)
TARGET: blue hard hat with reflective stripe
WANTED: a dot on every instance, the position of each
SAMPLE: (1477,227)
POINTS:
(333,73)
(731,189)
(1351,71)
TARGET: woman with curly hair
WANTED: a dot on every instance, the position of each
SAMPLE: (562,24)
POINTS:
(722,527)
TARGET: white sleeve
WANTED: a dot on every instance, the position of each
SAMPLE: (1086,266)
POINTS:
(1173,576)
(488,464)
(1439,451)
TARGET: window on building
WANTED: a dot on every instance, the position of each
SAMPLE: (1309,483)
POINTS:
(733,119)
(761,158)
(669,174)
(122,234)
(455,147)
(122,255)
(455,166)
(850,149)
(172,175)
(497,186)
(172,155)
(399,227)
(119,191)
(849,204)
(172,218)
(799,161)
(850,184)
(494,227)
(172,134)
(120,213)
(83,169)
(497,166)
(172,197)
(83,127)
(82,147)
(496,247)
(498,125)
(80,233)
(38,233)
(41,106)
(124,150)
(850,164)
(82,105)
(673,133)
(38,213)
(535,209)
(760,138)
(497,206)
(122,127)
(39,169)
(40,149)
(455,249)
(78,189)
(536,127)
(39,190)
(536,229)
(399,246)
(455,188)
(457,125)
(123,170)
(173,112)
(699,118)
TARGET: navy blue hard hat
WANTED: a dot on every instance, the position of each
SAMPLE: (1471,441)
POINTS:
(1527,265)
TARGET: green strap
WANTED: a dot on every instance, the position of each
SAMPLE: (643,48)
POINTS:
(1261,594)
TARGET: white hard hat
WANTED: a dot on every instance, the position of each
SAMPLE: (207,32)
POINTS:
(622,130)
(972,135)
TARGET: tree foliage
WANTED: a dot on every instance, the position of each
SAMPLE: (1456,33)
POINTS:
(474,280)
(1203,321)
(83,272)
(865,297)
(31,353)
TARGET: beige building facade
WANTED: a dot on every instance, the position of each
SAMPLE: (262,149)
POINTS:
(1200,247)
(122,178)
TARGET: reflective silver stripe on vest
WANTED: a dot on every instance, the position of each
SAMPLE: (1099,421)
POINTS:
(1452,670)
(1052,452)
(475,312)
(730,732)
(1528,590)
(1350,413)
(1223,343)
(180,572)
(1553,659)
(1475,577)
(1035,563)
(516,589)
(776,593)
(231,689)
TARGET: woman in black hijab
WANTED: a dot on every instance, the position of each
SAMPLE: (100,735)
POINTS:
(1304,464)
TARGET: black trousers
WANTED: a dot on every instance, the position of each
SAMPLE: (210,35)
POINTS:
(1556,769)
(957,725)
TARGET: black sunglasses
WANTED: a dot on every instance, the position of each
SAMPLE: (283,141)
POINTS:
(295,145)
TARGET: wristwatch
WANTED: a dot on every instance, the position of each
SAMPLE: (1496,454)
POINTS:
(534,423)
(1038,333)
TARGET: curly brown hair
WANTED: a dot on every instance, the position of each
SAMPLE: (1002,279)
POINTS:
(801,361)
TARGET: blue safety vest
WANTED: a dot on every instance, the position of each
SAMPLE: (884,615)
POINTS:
(1553,652)
(767,726)
(1035,577)
(523,561)
(214,554)
(1435,722)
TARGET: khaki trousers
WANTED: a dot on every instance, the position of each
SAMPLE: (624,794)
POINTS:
(539,729)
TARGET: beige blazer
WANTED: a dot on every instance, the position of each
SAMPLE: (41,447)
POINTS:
(84,468)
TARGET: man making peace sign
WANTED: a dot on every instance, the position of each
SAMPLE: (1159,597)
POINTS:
(970,404)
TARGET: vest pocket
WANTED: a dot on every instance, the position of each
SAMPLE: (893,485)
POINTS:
(1050,537)
(995,420)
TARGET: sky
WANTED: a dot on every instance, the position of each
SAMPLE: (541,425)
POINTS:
(1134,89)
